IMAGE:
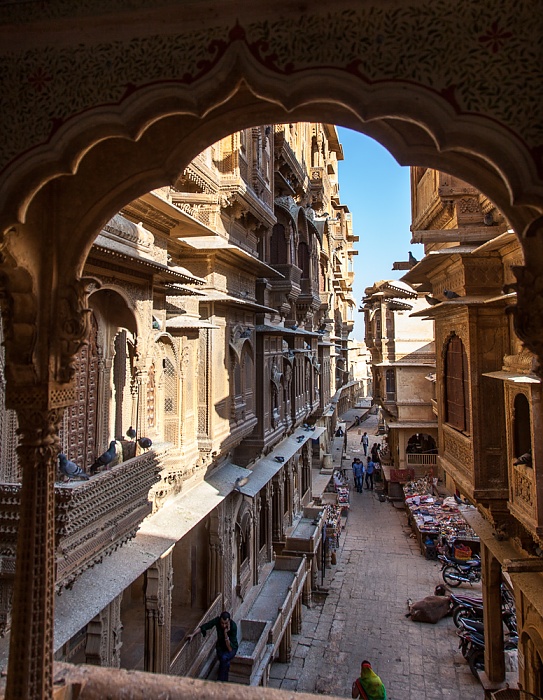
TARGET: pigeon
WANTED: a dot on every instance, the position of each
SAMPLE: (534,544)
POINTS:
(279,459)
(145,443)
(448,294)
(131,433)
(300,438)
(431,300)
(240,481)
(412,259)
(526,459)
(104,459)
(70,469)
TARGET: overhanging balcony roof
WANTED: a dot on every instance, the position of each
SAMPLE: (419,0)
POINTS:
(217,244)
(264,469)
(182,321)
(516,377)
(219,296)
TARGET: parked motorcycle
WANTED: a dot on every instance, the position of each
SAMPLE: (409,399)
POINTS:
(454,573)
(471,607)
(472,644)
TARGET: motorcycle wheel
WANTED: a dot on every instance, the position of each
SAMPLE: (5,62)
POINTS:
(476,661)
(465,648)
(459,612)
(446,573)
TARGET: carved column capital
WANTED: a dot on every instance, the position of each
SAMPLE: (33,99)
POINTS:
(528,312)
(72,325)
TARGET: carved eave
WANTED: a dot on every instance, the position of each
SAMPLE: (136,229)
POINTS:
(197,176)
(522,566)
(243,204)
(158,213)
(230,253)
(466,235)
(163,272)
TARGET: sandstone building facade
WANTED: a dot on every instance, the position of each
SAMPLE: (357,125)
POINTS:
(103,102)
(403,360)
(219,312)
(488,401)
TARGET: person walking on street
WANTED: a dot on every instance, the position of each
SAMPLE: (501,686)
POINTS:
(365,442)
(227,641)
(369,474)
(353,465)
(358,475)
(368,686)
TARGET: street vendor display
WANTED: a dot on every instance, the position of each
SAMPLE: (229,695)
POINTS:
(438,522)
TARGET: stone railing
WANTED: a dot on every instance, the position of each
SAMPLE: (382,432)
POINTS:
(421,460)
(185,658)
(299,568)
(523,498)
(118,684)
(292,273)
(95,517)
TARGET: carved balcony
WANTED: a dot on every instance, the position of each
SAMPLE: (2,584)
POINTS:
(290,286)
(95,517)
(92,517)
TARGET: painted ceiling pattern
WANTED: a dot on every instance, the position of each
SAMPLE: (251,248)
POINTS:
(479,58)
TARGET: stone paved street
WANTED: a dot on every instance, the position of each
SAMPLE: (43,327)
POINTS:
(378,568)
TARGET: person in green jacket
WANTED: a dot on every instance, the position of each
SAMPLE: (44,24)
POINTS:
(368,686)
(227,640)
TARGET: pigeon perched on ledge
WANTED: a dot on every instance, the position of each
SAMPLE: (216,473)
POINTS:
(105,458)
(131,433)
(449,294)
(145,443)
(525,459)
(70,469)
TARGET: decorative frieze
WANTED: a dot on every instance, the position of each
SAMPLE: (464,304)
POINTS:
(458,449)
(524,489)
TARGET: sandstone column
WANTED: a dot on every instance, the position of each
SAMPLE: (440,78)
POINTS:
(158,611)
(494,656)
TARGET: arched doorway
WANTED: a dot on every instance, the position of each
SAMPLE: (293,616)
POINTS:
(137,106)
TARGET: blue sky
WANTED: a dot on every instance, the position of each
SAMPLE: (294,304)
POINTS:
(376,190)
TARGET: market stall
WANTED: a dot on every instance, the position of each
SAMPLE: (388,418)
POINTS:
(438,523)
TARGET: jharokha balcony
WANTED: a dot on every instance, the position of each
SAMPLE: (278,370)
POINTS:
(93,518)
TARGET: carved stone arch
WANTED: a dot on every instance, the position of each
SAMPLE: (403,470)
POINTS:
(424,110)
(240,342)
(244,547)
(105,296)
(532,644)
(165,337)
(521,424)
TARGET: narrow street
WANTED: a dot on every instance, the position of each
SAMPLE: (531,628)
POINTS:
(379,566)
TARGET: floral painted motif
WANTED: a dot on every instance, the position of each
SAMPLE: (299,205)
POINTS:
(495,38)
(478,58)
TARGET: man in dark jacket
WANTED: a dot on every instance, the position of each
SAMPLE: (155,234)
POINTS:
(227,640)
